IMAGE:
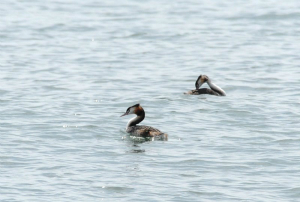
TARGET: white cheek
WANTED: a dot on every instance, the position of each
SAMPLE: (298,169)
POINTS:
(131,111)
(200,84)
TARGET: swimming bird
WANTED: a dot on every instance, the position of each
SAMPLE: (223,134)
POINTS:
(214,89)
(140,130)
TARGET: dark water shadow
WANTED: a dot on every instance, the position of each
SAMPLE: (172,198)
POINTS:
(136,151)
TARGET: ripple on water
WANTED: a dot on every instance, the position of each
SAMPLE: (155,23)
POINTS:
(68,74)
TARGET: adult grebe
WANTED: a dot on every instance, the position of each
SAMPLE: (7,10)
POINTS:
(141,131)
(214,89)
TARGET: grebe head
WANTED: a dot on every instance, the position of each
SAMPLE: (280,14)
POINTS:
(135,109)
(201,80)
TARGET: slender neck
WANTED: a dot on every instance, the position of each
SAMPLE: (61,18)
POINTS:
(138,119)
(216,88)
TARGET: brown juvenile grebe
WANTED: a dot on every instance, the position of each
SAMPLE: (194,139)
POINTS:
(214,89)
(139,130)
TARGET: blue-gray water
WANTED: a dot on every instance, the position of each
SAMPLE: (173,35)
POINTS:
(69,69)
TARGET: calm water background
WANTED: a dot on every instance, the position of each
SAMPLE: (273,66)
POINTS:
(69,69)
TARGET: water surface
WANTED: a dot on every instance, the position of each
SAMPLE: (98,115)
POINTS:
(69,69)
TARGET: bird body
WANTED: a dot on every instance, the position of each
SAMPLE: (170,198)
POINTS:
(141,130)
(214,89)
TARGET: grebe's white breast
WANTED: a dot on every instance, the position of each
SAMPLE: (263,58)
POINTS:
(216,88)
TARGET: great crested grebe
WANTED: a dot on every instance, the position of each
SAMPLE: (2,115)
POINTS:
(214,89)
(139,130)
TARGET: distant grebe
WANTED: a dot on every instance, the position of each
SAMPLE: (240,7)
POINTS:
(139,130)
(214,89)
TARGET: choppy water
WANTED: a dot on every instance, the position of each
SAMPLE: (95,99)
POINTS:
(69,69)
